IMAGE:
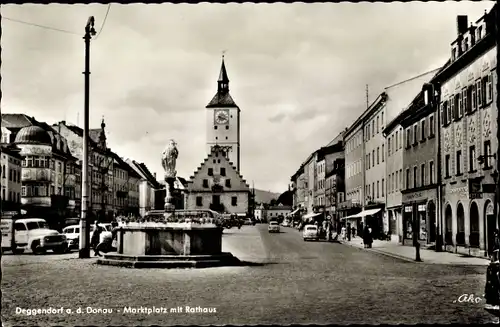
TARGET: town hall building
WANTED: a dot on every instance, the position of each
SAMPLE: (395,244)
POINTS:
(217,183)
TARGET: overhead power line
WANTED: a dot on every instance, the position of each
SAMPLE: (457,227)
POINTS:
(38,25)
(104,21)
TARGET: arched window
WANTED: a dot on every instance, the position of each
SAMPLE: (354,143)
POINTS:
(474,226)
(460,225)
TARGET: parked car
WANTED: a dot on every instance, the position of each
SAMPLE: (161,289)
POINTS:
(273,227)
(285,223)
(72,233)
(310,233)
(31,233)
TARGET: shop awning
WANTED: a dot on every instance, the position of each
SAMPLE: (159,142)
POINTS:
(362,214)
(311,215)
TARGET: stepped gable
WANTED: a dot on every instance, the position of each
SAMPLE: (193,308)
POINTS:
(242,179)
(211,156)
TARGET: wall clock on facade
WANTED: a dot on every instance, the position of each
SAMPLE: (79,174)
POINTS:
(487,125)
(447,141)
(472,131)
(458,136)
(221,117)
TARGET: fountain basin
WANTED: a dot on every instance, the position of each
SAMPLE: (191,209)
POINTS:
(171,245)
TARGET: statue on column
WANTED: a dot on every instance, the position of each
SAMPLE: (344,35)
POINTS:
(168,161)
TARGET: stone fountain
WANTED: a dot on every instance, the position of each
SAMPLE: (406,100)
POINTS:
(172,242)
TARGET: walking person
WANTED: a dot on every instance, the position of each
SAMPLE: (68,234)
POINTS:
(367,237)
(96,235)
(107,243)
(343,233)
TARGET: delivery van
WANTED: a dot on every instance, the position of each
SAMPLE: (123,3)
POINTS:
(32,234)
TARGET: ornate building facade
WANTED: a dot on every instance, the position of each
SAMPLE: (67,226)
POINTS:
(48,172)
(217,183)
(469,112)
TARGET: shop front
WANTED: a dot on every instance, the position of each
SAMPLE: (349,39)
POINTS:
(346,216)
(419,216)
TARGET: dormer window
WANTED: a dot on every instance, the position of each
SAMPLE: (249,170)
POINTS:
(465,46)
(453,54)
(479,33)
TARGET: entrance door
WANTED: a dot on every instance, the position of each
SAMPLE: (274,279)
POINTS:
(431,210)
(490,227)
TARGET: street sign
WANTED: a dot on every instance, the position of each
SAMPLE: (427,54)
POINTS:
(476,195)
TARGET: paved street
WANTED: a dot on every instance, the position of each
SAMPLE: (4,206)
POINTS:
(293,282)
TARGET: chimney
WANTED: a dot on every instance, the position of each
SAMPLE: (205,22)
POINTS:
(63,122)
(462,24)
(154,174)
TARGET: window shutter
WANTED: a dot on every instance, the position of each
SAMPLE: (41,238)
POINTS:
(452,108)
(443,118)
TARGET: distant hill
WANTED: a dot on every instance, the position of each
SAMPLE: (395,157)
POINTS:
(262,196)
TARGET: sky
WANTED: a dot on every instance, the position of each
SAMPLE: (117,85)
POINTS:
(298,72)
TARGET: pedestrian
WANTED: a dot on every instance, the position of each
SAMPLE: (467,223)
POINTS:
(353,232)
(343,233)
(94,242)
(107,243)
(366,237)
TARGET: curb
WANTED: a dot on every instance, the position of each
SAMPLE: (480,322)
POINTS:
(403,258)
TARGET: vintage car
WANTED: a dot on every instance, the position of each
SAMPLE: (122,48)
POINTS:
(273,227)
(310,233)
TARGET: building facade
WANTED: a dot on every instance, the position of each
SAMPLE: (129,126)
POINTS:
(394,177)
(420,192)
(469,112)
(10,175)
(374,146)
(335,190)
(218,186)
(319,196)
(354,174)
(48,172)
(147,186)
(101,170)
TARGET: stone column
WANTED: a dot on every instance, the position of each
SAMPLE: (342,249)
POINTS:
(169,199)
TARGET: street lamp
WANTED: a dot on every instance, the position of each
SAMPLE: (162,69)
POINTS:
(84,250)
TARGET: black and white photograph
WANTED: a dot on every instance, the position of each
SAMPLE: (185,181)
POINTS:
(250,163)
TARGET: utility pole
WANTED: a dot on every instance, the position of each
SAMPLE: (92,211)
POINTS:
(84,251)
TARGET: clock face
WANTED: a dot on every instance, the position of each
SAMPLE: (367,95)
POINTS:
(221,117)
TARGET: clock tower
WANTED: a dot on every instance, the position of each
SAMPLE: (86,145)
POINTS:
(223,121)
